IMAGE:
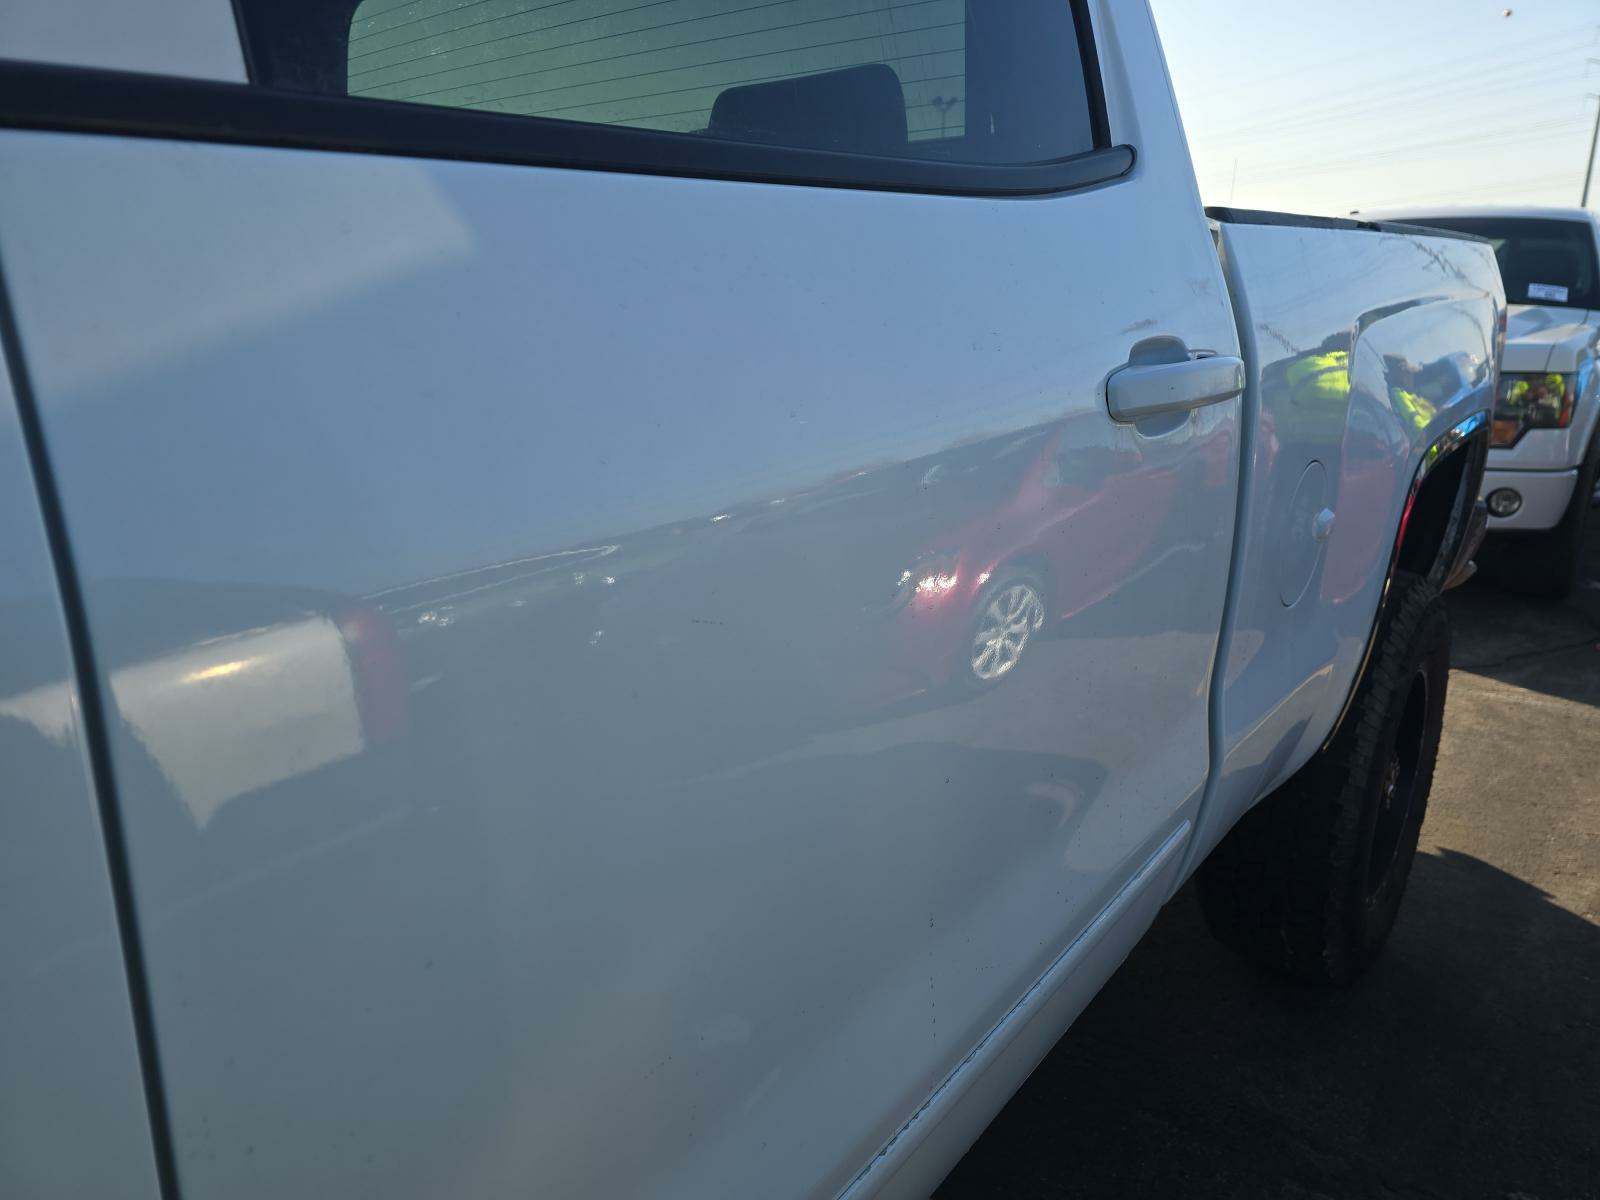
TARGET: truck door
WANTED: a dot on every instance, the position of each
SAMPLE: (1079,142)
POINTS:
(630,636)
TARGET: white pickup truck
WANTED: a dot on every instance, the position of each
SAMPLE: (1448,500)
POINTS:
(1544,456)
(611,599)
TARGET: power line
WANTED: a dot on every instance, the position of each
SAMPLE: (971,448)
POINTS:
(1419,122)
(1446,67)
(1418,150)
(1383,105)
(1423,79)
(1451,193)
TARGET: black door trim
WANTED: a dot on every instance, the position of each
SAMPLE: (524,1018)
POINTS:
(87,100)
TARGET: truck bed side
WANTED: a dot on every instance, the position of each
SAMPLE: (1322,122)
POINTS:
(1366,346)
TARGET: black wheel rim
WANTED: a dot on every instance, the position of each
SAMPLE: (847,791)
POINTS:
(1397,786)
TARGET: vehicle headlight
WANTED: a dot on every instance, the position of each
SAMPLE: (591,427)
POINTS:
(1542,401)
(932,576)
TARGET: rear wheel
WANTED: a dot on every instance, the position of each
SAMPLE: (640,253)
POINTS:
(1308,884)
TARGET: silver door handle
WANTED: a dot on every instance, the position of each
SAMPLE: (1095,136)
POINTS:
(1141,390)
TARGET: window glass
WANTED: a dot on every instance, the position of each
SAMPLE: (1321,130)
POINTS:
(987,81)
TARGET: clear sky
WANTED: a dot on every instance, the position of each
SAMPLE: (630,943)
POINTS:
(1318,107)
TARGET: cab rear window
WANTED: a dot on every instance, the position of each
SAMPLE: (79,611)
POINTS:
(974,81)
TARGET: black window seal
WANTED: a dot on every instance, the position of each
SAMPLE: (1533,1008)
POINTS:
(1093,82)
(90,100)
(251,72)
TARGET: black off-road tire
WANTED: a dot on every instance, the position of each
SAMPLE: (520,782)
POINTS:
(1546,564)
(1309,882)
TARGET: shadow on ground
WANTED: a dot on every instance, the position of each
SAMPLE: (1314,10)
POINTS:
(1463,1066)
(1547,646)
(1467,1063)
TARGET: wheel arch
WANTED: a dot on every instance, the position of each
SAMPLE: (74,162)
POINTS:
(1441,527)
(1033,563)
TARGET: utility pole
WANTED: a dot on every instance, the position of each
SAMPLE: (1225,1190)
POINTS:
(1588,171)
(1594,139)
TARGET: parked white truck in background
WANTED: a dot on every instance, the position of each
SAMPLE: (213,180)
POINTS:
(616,600)
(1544,457)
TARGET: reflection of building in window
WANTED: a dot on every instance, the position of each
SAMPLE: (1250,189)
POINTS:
(652,65)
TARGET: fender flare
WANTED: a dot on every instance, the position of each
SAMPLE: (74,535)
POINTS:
(1450,563)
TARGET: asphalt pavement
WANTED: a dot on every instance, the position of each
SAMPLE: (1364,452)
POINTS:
(1465,1065)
